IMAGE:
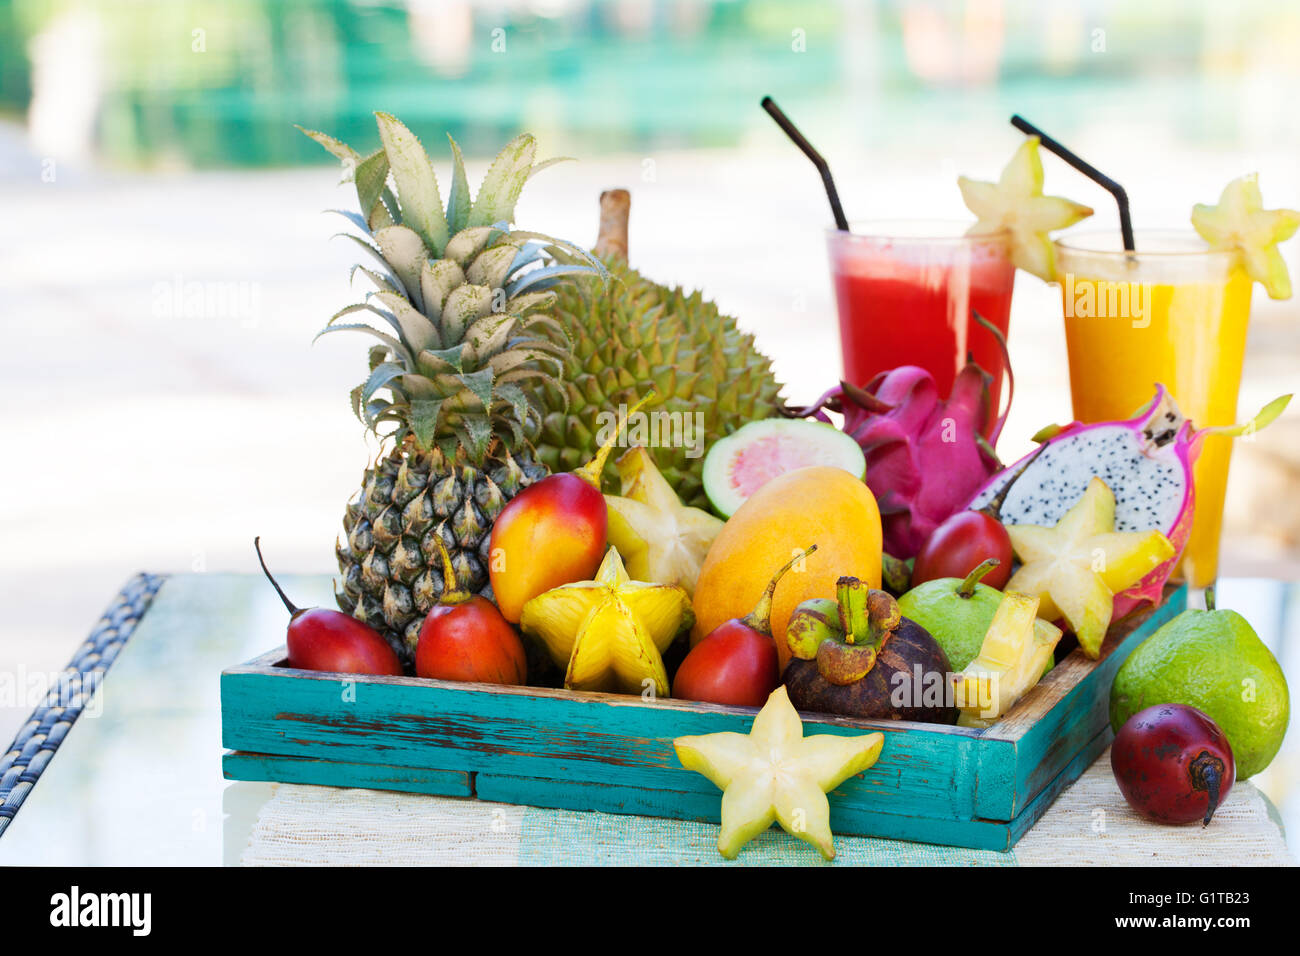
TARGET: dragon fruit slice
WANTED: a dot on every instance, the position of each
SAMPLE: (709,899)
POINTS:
(925,457)
(1146,461)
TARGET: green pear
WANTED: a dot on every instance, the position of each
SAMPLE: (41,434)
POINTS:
(1214,661)
(956,612)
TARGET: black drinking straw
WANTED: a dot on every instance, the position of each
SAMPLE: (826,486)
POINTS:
(1092,172)
(792,131)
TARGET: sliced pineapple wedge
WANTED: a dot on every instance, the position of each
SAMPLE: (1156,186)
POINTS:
(1016,203)
(609,634)
(1012,659)
(1076,568)
(1241,222)
(659,538)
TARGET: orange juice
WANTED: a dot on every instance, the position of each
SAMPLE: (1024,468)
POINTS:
(1176,313)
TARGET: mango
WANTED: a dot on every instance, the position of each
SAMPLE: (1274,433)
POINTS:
(819,505)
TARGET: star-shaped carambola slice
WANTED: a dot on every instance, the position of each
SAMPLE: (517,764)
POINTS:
(1016,203)
(610,634)
(1241,222)
(1076,568)
(775,773)
(1012,658)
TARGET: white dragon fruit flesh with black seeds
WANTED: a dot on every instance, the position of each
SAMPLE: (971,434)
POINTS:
(1146,462)
(1149,488)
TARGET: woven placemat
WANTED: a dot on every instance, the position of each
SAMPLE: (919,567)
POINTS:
(1089,824)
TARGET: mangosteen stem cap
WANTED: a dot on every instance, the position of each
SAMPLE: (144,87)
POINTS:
(868,616)
(760,619)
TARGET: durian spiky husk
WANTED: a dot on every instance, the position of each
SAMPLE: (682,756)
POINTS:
(635,335)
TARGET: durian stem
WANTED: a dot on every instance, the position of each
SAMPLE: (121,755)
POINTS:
(615,208)
(760,619)
(590,472)
(451,592)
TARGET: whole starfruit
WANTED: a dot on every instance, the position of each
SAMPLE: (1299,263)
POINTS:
(659,538)
(609,634)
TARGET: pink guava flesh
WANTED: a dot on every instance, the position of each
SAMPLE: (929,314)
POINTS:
(759,461)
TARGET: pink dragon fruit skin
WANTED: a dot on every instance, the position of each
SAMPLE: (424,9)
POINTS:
(1145,460)
(925,457)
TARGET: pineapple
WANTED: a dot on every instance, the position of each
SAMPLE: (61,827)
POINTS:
(455,382)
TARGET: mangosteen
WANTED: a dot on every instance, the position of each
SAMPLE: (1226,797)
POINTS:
(871,663)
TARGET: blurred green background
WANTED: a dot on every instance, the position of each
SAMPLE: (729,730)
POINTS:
(213,84)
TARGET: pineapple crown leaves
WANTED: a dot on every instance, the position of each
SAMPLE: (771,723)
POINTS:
(469,341)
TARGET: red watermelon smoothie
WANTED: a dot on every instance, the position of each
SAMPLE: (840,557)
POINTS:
(906,291)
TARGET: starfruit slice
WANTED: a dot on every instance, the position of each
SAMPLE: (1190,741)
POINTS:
(610,633)
(1016,203)
(775,773)
(1076,568)
(1012,659)
(659,538)
(1241,222)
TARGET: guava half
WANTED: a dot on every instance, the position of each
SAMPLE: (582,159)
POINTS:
(754,454)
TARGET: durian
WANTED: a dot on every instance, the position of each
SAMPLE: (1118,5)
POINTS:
(635,336)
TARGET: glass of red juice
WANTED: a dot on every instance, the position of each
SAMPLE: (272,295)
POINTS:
(906,292)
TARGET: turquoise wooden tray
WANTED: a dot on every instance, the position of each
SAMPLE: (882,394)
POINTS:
(584,751)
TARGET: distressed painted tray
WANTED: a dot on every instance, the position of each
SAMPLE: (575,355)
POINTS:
(587,751)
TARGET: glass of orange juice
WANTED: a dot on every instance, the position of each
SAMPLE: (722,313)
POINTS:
(1173,312)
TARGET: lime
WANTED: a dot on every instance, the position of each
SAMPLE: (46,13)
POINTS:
(1214,661)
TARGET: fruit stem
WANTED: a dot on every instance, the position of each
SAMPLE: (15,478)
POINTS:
(994,508)
(1209,598)
(1266,416)
(1207,774)
(451,592)
(590,472)
(611,241)
(257,546)
(966,590)
(868,616)
(760,619)
(896,573)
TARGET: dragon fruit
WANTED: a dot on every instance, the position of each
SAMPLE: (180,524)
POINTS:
(1145,460)
(925,457)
